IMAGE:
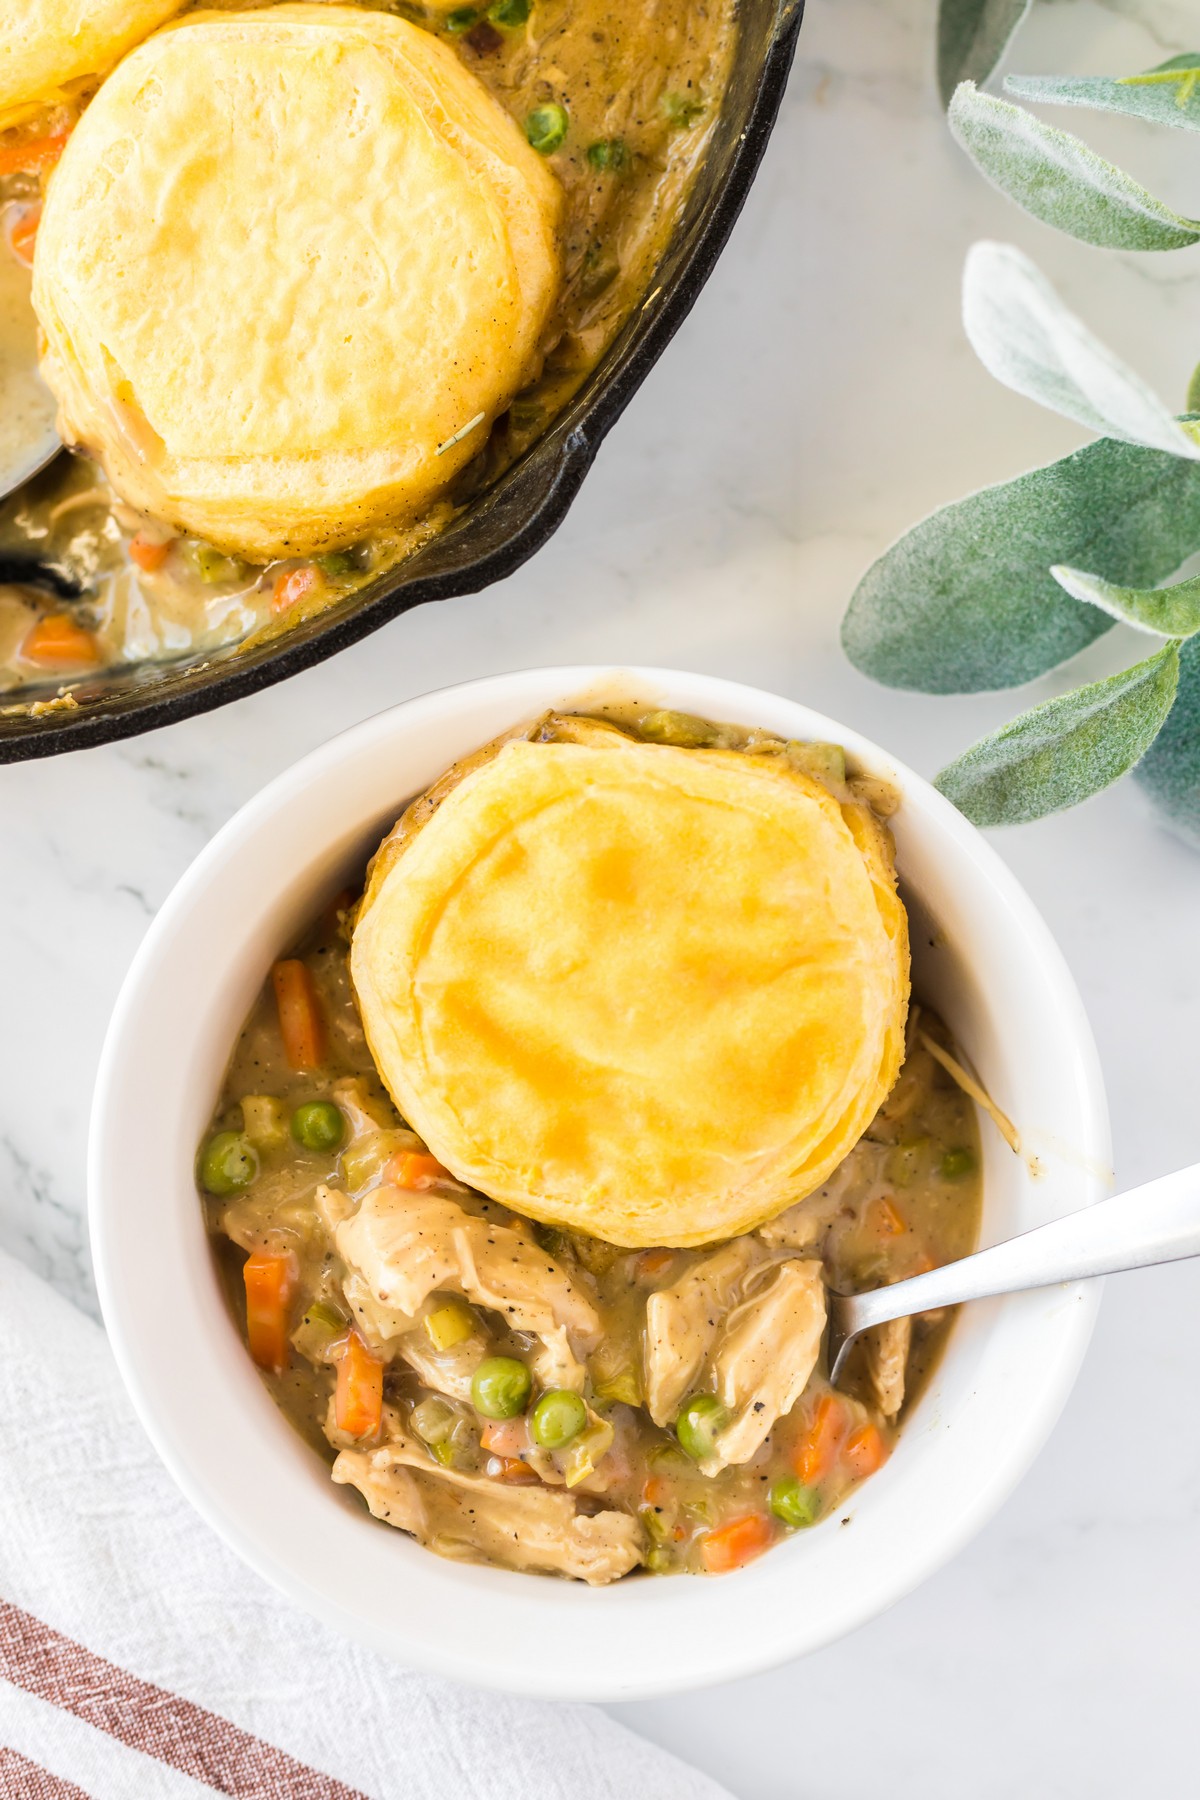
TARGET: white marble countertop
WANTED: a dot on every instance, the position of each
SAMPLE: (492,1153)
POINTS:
(820,398)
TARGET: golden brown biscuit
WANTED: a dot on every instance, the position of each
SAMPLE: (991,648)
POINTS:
(649,993)
(50,48)
(286,256)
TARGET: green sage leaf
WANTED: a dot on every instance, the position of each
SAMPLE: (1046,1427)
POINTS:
(1167,95)
(1170,770)
(1067,749)
(1059,180)
(965,602)
(972,36)
(1170,612)
(1025,336)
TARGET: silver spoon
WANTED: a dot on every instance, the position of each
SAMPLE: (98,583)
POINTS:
(1157,1223)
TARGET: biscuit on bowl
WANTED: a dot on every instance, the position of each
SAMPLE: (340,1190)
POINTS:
(649,993)
(350,252)
(51,48)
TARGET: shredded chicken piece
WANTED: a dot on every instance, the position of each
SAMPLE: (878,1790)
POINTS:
(887,1359)
(362,1116)
(473,1517)
(766,1352)
(448,1371)
(682,1322)
(402,1246)
(332,1206)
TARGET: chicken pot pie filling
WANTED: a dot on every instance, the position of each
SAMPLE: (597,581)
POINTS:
(531,1394)
(560,140)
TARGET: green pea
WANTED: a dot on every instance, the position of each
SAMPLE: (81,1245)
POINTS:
(558,1417)
(698,1424)
(318,1125)
(546,127)
(957,1163)
(227,1162)
(608,154)
(462,19)
(792,1502)
(500,1387)
(509,12)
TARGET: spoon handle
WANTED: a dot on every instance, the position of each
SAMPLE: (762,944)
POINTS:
(1157,1223)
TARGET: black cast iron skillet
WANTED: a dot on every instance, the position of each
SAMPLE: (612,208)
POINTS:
(505,525)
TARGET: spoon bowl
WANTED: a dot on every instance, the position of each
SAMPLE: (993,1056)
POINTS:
(1157,1223)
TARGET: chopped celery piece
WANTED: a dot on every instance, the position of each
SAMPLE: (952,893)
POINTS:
(957,1163)
(622,1384)
(212,566)
(683,729)
(319,1329)
(265,1121)
(905,1162)
(660,1561)
(826,762)
(656,1526)
(682,110)
(448,1325)
(670,1458)
(587,1451)
(434,1421)
(323,1314)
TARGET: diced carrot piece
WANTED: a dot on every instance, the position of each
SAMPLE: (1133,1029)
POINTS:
(148,553)
(57,642)
(653,1262)
(887,1221)
(656,1491)
(358,1397)
(414,1169)
(505,1437)
(32,153)
(300,1023)
(295,585)
(512,1469)
(23,235)
(818,1447)
(735,1543)
(270,1283)
(865,1451)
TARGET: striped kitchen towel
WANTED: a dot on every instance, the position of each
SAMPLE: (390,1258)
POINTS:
(139,1660)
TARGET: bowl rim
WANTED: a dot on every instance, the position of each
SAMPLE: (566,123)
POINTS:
(580,431)
(736,1654)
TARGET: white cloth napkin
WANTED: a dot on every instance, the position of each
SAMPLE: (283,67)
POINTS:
(139,1660)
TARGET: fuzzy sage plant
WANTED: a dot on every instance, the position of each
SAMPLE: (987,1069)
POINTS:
(1007,584)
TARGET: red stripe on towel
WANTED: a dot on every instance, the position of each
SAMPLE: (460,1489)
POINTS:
(21,1779)
(186,1737)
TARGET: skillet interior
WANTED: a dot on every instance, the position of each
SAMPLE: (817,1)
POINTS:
(504,527)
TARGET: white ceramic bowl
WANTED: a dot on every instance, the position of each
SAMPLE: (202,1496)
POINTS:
(982,956)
